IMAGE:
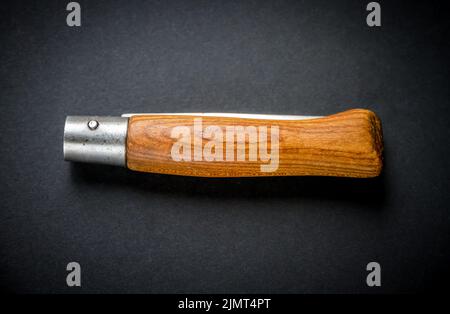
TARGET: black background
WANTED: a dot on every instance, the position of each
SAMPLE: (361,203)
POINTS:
(134,232)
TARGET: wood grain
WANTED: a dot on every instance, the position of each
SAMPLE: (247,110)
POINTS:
(347,144)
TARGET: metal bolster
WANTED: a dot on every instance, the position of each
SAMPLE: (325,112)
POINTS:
(96,139)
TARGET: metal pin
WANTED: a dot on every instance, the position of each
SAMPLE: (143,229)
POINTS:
(93,124)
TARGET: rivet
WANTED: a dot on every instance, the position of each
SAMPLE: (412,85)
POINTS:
(93,124)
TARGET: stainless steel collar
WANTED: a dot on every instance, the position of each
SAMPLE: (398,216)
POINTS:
(96,139)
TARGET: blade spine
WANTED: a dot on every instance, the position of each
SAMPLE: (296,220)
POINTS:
(231,115)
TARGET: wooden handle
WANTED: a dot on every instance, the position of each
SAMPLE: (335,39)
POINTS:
(347,144)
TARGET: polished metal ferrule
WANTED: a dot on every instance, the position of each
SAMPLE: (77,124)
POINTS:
(96,139)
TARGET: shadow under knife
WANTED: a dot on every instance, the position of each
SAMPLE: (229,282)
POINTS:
(371,193)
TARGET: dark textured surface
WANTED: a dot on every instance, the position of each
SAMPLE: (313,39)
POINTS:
(134,232)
